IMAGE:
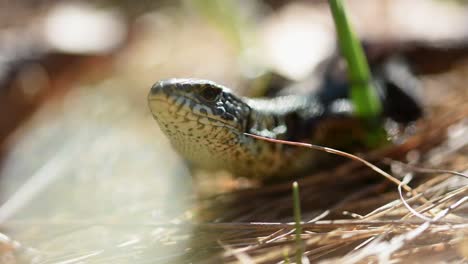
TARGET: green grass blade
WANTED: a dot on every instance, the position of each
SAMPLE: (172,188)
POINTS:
(297,220)
(363,94)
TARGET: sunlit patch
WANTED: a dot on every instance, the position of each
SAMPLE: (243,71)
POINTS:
(81,28)
(296,41)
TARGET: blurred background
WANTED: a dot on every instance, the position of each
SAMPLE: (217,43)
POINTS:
(86,176)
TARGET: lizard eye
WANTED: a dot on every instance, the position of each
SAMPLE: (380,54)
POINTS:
(211,94)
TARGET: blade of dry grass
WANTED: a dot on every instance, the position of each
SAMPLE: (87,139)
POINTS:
(343,154)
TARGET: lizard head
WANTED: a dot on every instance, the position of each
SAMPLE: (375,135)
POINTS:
(201,118)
